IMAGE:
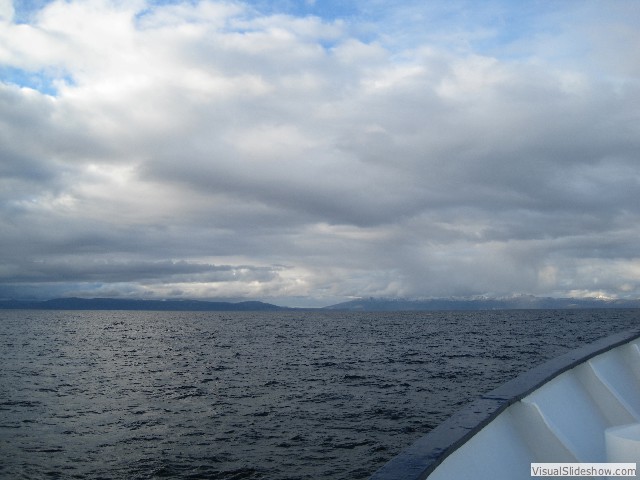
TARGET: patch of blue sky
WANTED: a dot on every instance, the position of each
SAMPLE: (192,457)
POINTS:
(406,24)
(498,28)
(24,10)
(506,29)
(173,2)
(41,81)
(326,9)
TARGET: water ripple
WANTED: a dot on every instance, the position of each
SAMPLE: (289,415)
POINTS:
(294,395)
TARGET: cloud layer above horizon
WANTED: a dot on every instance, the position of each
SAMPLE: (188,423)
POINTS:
(306,152)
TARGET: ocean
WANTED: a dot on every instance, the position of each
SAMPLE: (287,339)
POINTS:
(254,395)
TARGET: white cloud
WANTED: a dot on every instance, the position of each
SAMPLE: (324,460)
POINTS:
(397,164)
(6,11)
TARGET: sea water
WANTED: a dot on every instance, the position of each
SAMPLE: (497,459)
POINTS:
(247,395)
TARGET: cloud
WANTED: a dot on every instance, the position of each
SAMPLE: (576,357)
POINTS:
(168,140)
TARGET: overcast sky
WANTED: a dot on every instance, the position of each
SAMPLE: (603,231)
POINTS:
(307,152)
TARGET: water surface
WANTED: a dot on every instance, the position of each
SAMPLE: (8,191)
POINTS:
(244,395)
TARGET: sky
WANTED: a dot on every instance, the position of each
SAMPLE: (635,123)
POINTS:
(309,152)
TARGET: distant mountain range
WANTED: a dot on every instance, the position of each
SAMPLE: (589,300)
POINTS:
(364,304)
(516,302)
(127,304)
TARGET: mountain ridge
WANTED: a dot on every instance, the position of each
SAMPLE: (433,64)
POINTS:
(75,303)
(507,303)
(361,304)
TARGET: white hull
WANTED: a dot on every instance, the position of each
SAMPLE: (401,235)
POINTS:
(565,411)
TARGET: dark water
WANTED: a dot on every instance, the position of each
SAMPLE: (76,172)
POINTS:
(296,395)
